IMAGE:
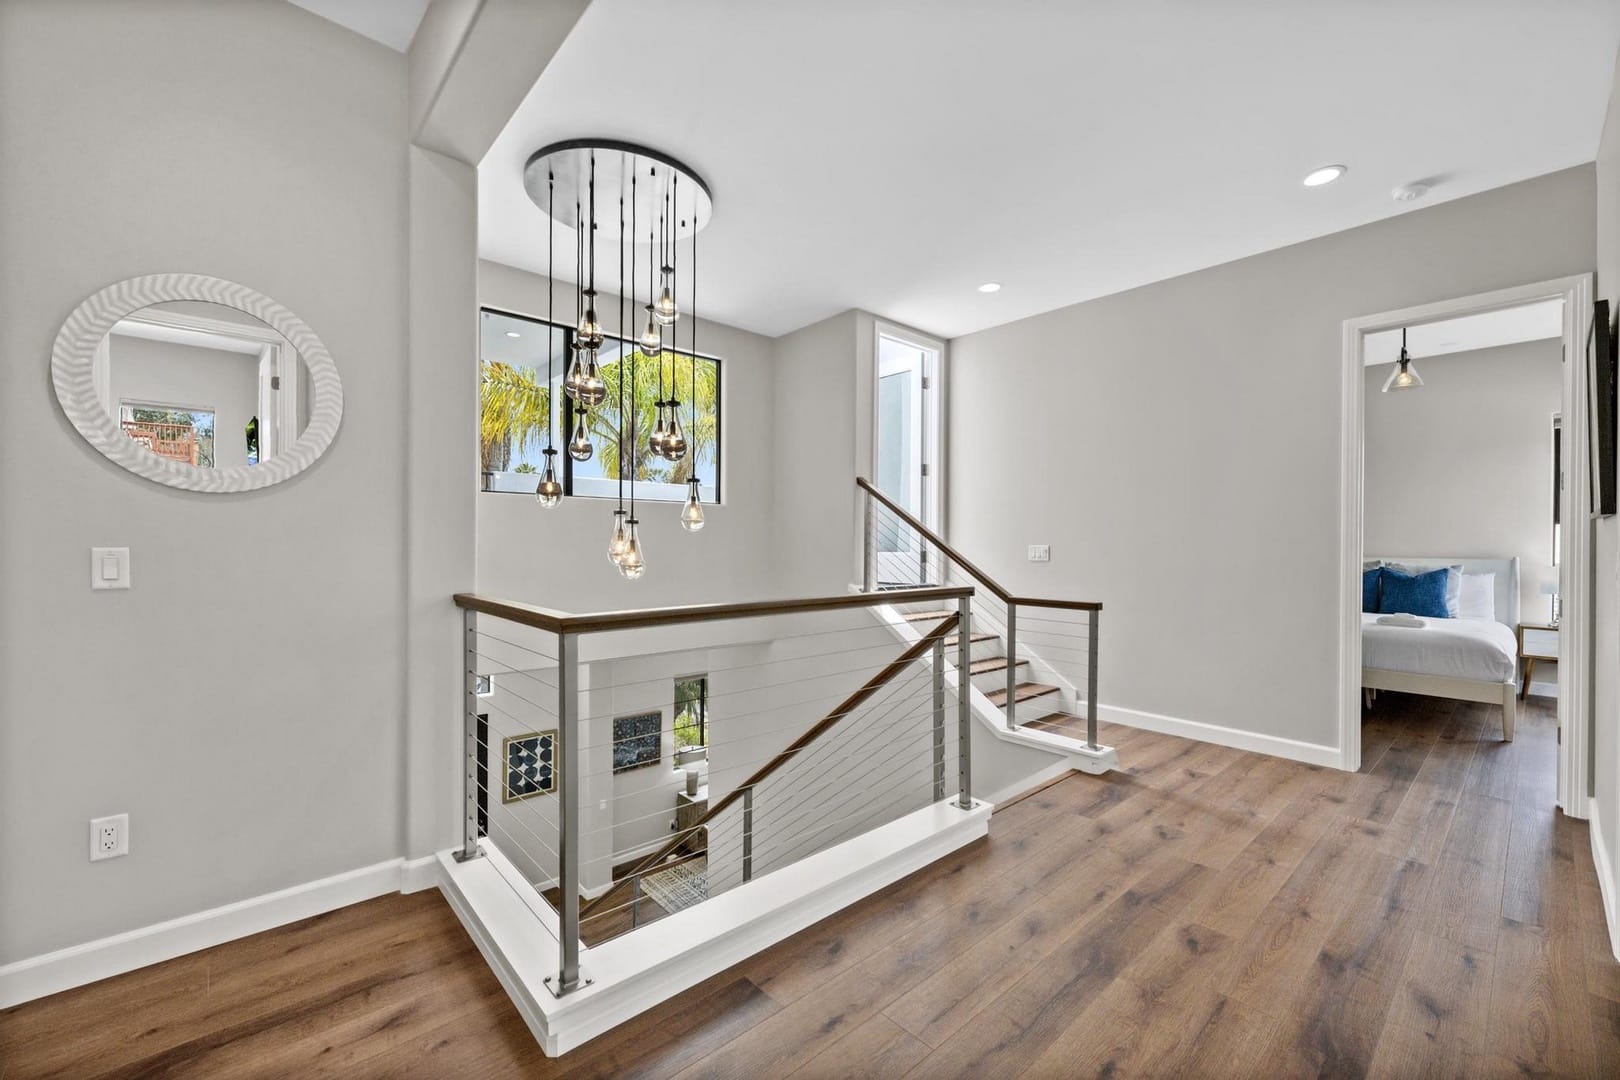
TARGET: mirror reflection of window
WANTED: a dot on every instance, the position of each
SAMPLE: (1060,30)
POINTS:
(202,384)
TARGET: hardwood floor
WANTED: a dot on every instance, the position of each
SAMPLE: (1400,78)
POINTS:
(1207,913)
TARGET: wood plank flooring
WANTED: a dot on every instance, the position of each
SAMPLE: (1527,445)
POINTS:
(1206,913)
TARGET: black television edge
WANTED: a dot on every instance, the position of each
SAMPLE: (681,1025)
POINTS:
(1601,363)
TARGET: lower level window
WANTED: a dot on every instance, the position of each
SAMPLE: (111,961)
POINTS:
(691,715)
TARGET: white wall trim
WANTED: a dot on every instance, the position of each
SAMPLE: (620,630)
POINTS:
(1236,738)
(76,965)
(1606,882)
(1029,783)
(1574,648)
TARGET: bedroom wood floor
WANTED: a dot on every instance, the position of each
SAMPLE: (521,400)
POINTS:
(1209,913)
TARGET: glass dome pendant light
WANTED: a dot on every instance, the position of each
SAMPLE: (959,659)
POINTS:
(674,437)
(664,309)
(589,329)
(692,512)
(652,338)
(619,539)
(591,390)
(632,564)
(549,492)
(575,379)
(579,447)
(1403,377)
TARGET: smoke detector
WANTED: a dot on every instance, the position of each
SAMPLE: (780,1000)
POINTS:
(1410,192)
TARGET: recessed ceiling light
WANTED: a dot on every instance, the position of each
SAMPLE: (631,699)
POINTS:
(990,286)
(1325,175)
(513,333)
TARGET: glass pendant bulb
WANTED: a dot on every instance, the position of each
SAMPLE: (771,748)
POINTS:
(664,310)
(576,373)
(631,563)
(579,447)
(655,441)
(590,328)
(674,437)
(652,339)
(549,493)
(620,541)
(592,390)
(692,512)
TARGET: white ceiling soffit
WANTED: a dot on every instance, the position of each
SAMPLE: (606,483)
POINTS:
(894,156)
(1485,330)
(392,22)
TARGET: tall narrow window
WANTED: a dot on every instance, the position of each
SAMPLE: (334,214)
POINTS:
(691,717)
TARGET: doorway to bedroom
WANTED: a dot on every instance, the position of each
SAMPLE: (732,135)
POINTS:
(1460,469)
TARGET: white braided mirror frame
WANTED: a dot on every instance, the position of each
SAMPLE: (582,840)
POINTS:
(73,359)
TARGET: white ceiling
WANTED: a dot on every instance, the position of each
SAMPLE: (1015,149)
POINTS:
(392,22)
(1488,329)
(893,156)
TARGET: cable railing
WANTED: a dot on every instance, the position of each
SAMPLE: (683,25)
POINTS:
(818,731)
(1036,658)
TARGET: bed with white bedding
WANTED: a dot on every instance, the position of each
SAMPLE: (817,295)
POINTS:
(1470,658)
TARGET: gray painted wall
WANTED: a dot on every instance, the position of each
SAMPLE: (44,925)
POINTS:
(1463,466)
(1178,446)
(260,747)
(1606,579)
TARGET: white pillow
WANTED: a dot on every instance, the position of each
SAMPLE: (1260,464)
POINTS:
(1476,599)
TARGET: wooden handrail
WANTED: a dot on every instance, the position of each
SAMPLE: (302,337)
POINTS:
(562,622)
(979,575)
(814,732)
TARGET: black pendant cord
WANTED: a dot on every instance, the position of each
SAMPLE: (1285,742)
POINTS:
(663,232)
(551,302)
(674,287)
(621,341)
(579,261)
(593,224)
(691,436)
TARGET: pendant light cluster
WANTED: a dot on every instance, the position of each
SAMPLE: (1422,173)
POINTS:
(652,183)
(1403,377)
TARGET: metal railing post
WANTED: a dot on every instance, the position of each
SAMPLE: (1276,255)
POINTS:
(964,692)
(635,901)
(469,788)
(868,546)
(568,826)
(1012,665)
(939,719)
(748,834)
(1091,682)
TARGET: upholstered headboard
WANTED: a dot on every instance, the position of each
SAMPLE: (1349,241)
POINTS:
(1506,571)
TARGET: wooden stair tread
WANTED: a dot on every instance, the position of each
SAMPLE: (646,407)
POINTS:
(989,663)
(1059,723)
(1025,690)
(924,616)
(950,642)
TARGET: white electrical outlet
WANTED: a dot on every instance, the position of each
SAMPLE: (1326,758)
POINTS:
(1040,553)
(109,837)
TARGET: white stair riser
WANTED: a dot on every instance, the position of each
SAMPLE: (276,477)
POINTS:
(989,681)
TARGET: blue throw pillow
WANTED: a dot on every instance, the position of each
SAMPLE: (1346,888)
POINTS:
(1369,588)
(1414,594)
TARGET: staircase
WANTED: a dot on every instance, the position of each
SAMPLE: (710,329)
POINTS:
(1047,711)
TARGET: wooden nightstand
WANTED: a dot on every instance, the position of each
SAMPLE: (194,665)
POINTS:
(1537,641)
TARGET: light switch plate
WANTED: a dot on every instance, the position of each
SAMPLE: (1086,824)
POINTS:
(1040,553)
(109,568)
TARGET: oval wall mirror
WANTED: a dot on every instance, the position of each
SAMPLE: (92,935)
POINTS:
(197,382)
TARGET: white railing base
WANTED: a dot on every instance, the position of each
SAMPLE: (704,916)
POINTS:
(516,931)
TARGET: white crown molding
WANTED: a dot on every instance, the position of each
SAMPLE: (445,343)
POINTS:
(73,373)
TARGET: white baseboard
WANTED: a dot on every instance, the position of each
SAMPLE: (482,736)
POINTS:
(39,976)
(1238,739)
(1027,783)
(1606,882)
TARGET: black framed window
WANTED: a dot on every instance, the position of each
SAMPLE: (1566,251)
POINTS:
(514,401)
(691,713)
